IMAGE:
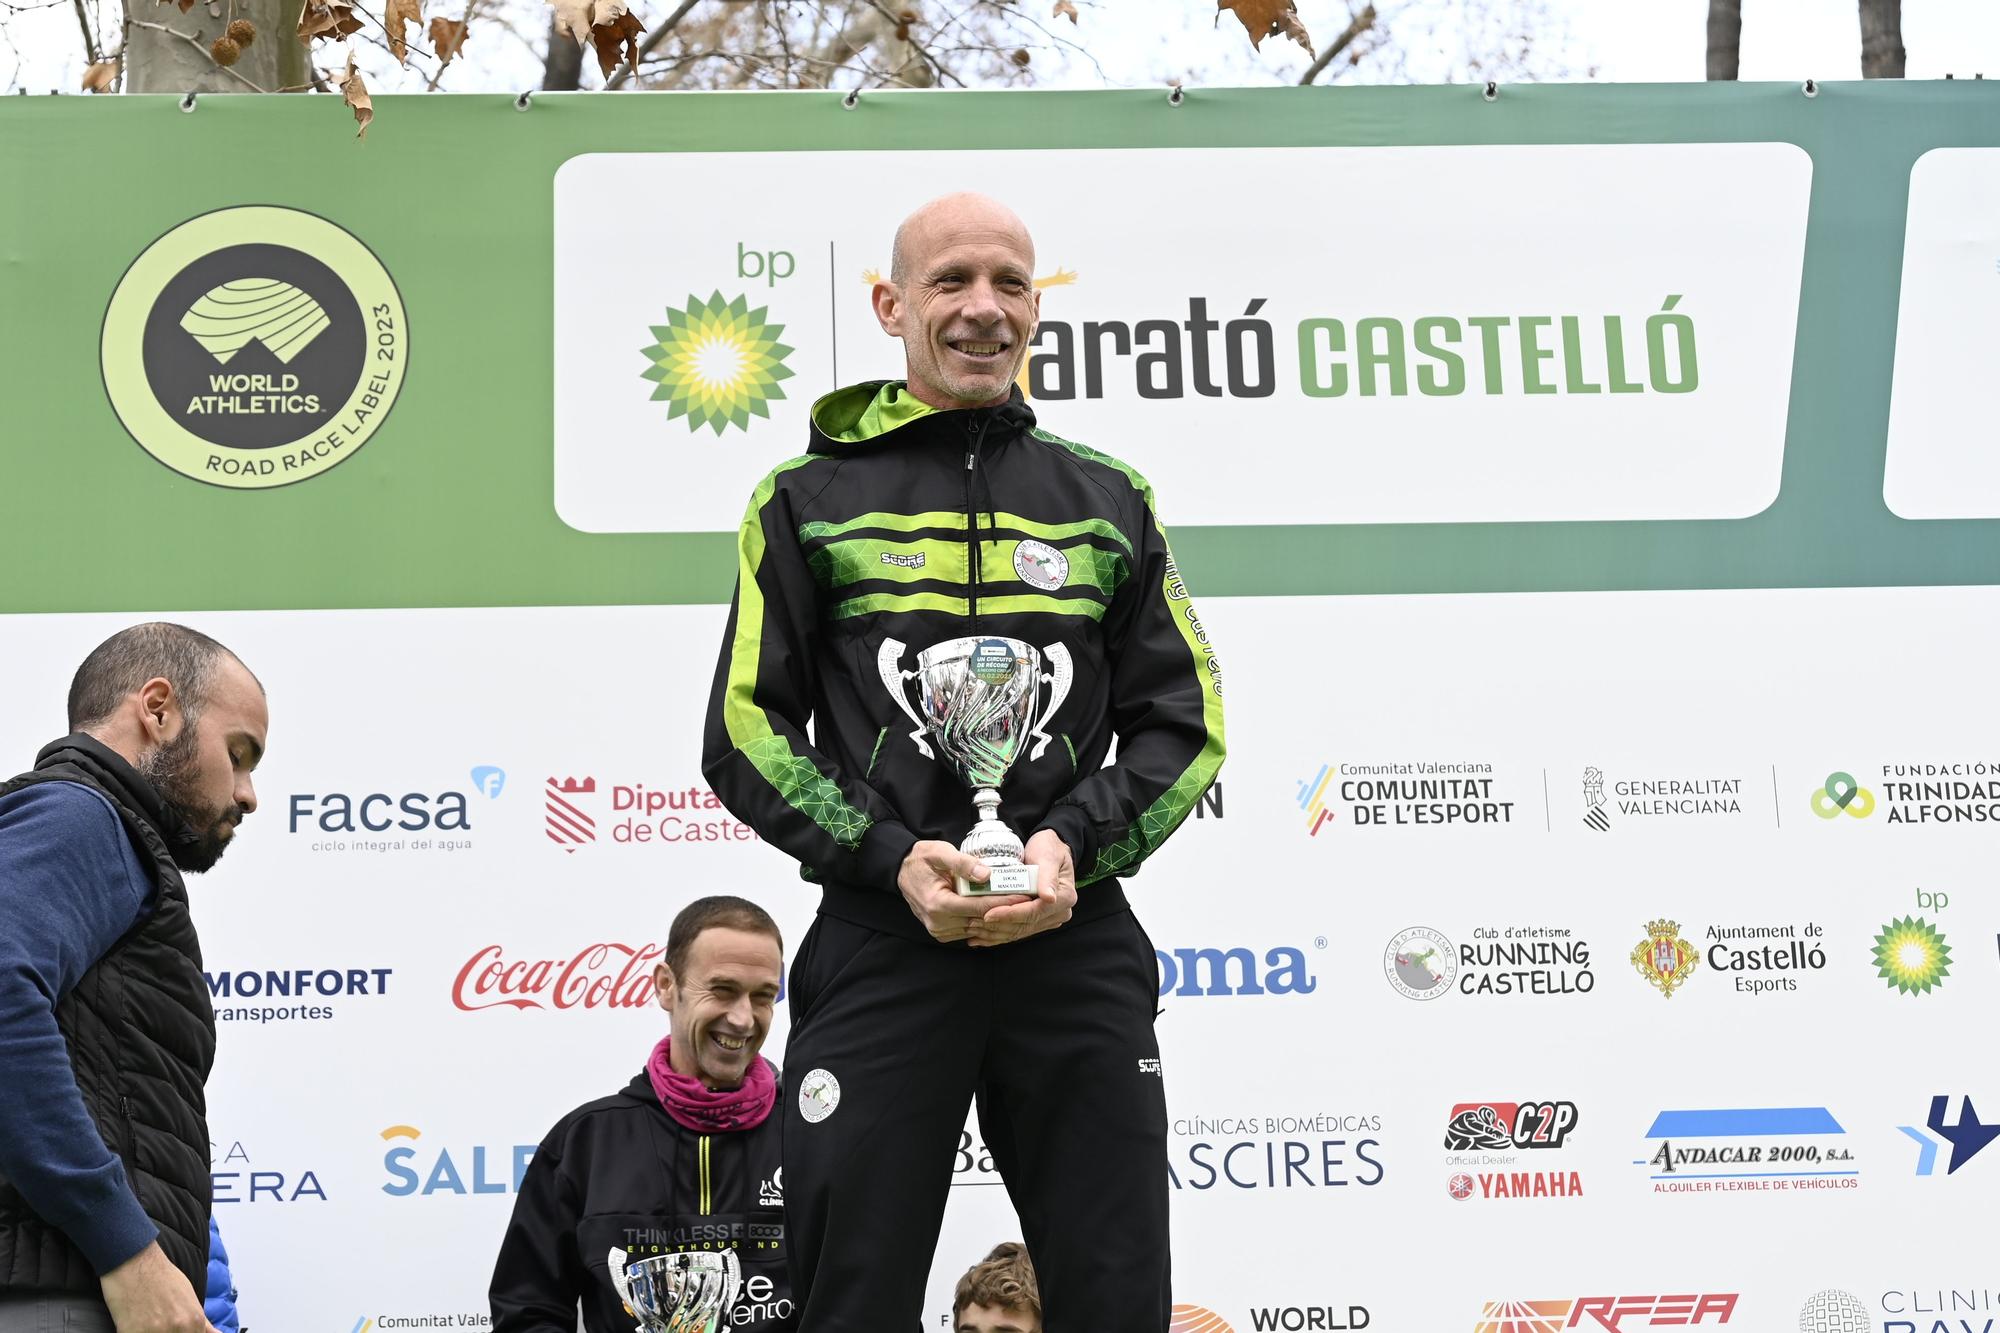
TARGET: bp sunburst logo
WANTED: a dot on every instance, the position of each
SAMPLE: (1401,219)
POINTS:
(1911,955)
(717,363)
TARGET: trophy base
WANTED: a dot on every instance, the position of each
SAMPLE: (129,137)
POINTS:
(1006,878)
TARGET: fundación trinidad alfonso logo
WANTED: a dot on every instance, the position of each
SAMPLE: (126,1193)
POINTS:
(1196,1319)
(254,347)
(1911,956)
(717,363)
(1842,795)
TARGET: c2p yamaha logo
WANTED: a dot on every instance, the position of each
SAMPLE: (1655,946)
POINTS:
(254,347)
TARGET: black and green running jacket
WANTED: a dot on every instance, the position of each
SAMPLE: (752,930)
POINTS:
(905,527)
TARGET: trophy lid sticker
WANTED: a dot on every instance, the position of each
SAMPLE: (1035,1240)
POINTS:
(254,347)
(819,1096)
(1041,565)
(993,660)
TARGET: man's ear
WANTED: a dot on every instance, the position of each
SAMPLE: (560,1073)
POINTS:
(663,986)
(888,303)
(160,717)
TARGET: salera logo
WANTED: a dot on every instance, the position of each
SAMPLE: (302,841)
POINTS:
(254,347)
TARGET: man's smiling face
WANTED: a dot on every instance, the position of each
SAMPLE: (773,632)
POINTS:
(962,299)
(721,1004)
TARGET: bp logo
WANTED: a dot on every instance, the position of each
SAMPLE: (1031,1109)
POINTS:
(254,347)
(717,363)
(1911,956)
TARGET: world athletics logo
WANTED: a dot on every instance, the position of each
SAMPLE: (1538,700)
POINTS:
(717,363)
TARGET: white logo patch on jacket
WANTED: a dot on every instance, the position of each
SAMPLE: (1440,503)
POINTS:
(1041,565)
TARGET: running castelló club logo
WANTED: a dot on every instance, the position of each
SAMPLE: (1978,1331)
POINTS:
(1911,956)
(717,363)
(1664,958)
(254,347)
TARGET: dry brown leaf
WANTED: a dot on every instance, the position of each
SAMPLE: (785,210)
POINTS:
(99,77)
(355,91)
(574,17)
(617,41)
(394,16)
(447,35)
(1064,10)
(1268,18)
(332,19)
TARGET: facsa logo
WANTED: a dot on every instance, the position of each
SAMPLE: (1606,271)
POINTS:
(1612,1312)
(379,812)
(1967,1137)
(1236,971)
(408,1175)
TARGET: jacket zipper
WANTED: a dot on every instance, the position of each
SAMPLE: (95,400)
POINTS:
(976,428)
(706,1199)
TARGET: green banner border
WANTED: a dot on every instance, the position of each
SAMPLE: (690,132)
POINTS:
(450,505)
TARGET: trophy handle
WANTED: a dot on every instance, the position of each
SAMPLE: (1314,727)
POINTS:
(1060,678)
(614,1264)
(889,665)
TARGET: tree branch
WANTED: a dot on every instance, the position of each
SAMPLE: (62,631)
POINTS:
(1361,23)
(939,72)
(89,37)
(464,26)
(653,39)
(205,53)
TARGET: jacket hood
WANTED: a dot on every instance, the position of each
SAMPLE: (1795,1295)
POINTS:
(878,412)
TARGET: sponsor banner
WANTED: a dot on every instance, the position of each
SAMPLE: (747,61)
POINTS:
(1439,386)
(1950,298)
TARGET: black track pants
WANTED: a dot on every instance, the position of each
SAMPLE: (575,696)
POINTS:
(1055,1035)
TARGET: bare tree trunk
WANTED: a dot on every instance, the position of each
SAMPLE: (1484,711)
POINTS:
(1881,39)
(1725,38)
(167,51)
(562,71)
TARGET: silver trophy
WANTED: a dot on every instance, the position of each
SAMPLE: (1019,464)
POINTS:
(981,702)
(678,1293)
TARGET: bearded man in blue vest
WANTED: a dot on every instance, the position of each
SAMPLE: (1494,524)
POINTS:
(106,1033)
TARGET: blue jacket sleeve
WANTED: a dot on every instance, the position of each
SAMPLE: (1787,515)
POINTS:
(70,886)
(219,1301)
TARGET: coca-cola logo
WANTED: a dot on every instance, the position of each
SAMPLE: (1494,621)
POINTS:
(599,976)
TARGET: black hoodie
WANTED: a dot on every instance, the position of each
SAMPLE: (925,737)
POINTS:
(620,1174)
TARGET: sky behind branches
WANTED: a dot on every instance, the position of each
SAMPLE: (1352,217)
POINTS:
(1136,43)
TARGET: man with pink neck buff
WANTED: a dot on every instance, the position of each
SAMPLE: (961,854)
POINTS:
(685,1158)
